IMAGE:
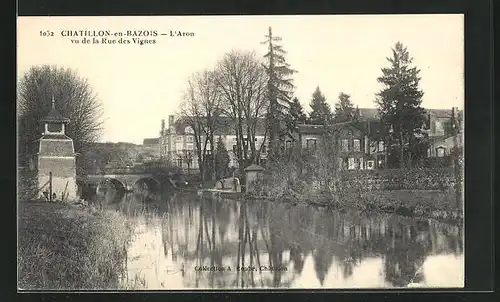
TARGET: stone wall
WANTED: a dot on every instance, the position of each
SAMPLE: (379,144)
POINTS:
(63,172)
(59,185)
(59,166)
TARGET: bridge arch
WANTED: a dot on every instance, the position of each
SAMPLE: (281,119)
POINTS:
(147,183)
(118,185)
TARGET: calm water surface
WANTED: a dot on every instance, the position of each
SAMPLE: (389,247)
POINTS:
(203,243)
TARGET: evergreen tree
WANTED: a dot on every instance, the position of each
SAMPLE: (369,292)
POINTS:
(399,102)
(279,89)
(344,109)
(321,113)
(296,115)
(221,159)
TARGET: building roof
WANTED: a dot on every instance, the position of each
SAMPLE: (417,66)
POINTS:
(56,148)
(151,141)
(225,126)
(254,167)
(54,116)
(55,136)
(310,129)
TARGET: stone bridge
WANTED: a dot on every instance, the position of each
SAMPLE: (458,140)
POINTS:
(126,182)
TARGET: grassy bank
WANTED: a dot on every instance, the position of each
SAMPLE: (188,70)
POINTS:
(69,247)
(440,205)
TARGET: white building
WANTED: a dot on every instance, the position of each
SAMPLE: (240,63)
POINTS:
(178,142)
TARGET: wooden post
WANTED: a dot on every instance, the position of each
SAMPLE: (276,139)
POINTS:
(64,193)
(50,186)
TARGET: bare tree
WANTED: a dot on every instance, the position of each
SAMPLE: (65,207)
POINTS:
(242,83)
(75,99)
(201,109)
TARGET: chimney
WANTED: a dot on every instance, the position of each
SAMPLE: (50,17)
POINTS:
(170,121)
(162,127)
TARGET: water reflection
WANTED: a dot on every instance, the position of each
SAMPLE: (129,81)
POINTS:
(200,243)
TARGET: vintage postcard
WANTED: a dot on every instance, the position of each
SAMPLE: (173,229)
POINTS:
(240,152)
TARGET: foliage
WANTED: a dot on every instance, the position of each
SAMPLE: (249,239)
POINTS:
(221,159)
(74,99)
(344,109)
(295,115)
(399,102)
(321,113)
(161,168)
(279,87)
(64,247)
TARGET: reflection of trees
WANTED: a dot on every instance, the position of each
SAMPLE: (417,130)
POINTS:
(215,232)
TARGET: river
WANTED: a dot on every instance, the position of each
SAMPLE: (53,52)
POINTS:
(212,243)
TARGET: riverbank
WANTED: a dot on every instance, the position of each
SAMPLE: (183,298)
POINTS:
(436,204)
(70,247)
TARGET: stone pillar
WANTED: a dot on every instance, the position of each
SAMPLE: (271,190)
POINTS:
(253,173)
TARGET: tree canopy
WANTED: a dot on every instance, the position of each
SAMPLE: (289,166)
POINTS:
(74,99)
(344,109)
(321,113)
(399,102)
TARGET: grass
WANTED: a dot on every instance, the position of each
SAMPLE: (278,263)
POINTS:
(66,247)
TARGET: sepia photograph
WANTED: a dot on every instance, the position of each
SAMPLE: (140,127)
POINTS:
(240,152)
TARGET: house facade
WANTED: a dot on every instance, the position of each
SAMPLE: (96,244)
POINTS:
(360,145)
(444,131)
(354,148)
(177,142)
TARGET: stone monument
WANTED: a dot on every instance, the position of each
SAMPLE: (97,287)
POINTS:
(55,159)
(253,174)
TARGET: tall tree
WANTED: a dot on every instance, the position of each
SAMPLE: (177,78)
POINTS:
(321,113)
(221,159)
(344,109)
(201,110)
(399,102)
(74,98)
(279,87)
(242,84)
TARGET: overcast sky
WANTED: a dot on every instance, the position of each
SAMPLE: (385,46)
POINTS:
(140,85)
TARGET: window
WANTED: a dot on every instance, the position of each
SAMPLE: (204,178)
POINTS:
(438,128)
(357,146)
(178,139)
(178,146)
(179,162)
(311,144)
(235,149)
(361,163)
(380,146)
(189,139)
(351,163)
(344,145)
(370,164)
(440,151)
(188,129)
(190,146)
